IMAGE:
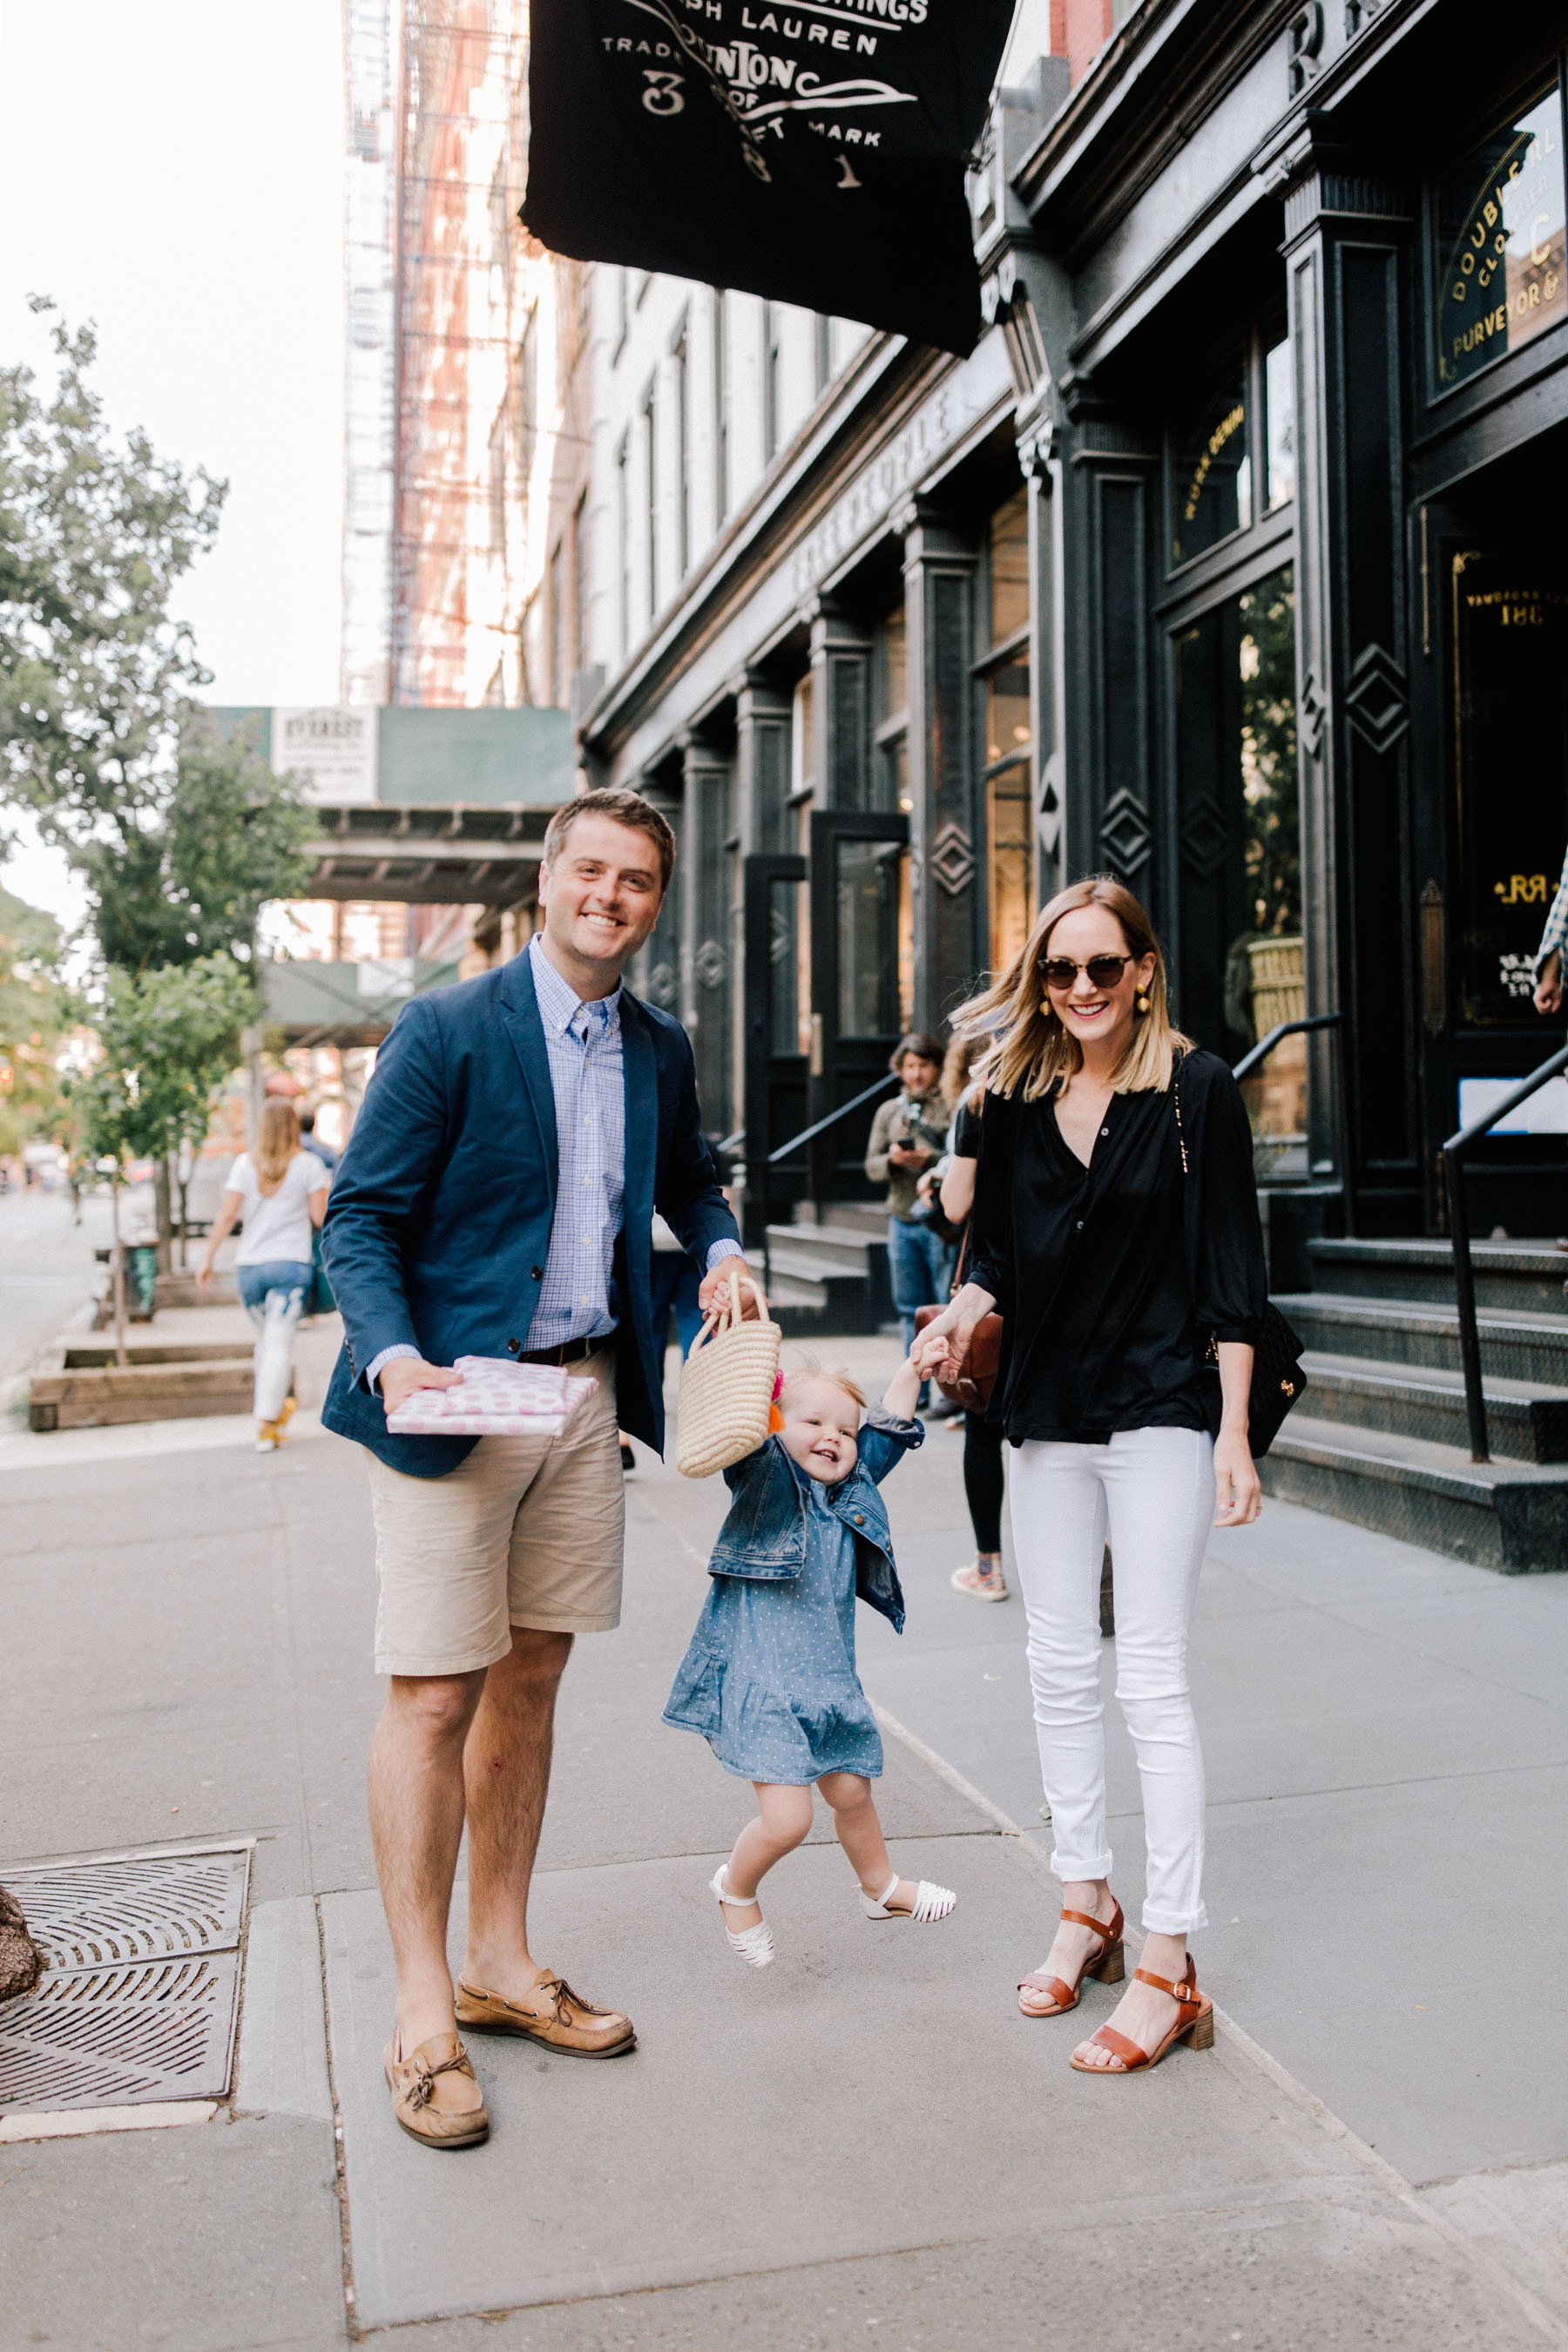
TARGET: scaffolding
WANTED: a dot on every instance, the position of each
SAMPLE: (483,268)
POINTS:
(459,267)
(370,248)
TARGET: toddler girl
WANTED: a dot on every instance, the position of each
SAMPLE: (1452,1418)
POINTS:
(769,1679)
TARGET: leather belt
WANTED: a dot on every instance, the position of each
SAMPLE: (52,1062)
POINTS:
(570,1351)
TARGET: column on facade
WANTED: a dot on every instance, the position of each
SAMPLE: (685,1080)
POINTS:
(708,959)
(1109,481)
(939,562)
(1041,474)
(761,764)
(840,756)
(1345,236)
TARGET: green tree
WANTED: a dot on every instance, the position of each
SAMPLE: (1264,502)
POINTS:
(168,1037)
(180,835)
(34,1008)
(230,837)
(94,670)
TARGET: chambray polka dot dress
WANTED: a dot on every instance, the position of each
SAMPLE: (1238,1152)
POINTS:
(769,1677)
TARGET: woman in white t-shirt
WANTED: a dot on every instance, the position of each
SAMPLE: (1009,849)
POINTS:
(280,1191)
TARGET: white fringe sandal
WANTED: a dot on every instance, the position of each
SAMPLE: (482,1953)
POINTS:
(753,1944)
(930,1903)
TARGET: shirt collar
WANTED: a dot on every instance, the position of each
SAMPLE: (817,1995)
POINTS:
(558,1001)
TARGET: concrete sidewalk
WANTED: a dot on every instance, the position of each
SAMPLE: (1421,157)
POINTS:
(865,2143)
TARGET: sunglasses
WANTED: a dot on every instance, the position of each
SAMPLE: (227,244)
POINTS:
(1104,970)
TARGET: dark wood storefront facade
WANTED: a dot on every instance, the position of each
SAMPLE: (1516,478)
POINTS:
(1296,276)
(1244,577)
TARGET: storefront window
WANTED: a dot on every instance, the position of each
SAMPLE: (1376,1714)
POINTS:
(1500,248)
(1010,567)
(868,898)
(1214,473)
(1510,625)
(895,662)
(1239,830)
(1279,424)
(1008,736)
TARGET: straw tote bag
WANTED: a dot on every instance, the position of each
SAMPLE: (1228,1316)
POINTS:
(727,1387)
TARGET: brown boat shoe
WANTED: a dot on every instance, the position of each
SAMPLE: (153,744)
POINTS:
(435,2094)
(551,2013)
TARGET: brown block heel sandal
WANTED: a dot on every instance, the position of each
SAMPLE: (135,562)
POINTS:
(1105,1966)
(1194,2016)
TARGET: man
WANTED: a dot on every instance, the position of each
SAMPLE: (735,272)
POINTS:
(496,1198)
(313,1142)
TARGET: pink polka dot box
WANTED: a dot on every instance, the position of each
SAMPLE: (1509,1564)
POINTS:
(494,1399)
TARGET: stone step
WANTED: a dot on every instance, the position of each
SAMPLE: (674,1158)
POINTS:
(1523,1276)
(115,1393)
(87,1358)
(1507,1516)
(813,1293)
(1525,1421)
(1514,1347)
(857,1216)
(848,1248)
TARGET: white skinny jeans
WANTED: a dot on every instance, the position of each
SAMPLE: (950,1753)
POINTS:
(1156,1489)
(273,1361)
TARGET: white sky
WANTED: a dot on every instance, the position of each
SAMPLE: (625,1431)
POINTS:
(172,169)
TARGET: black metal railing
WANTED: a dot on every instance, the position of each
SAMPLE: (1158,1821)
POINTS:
(810,1134)
(1459,1236)
(1265,1045)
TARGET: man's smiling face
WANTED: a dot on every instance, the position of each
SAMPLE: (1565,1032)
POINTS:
(601,895)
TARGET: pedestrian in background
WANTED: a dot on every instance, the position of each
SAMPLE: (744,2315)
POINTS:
(313,1142)
(907,1138)
(676,1283)
(1116,1227)
(984,1479)
(280,1191)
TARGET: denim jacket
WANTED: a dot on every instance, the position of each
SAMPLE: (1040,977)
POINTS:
(764,1536)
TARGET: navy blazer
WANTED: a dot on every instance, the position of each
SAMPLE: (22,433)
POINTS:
(439,1221)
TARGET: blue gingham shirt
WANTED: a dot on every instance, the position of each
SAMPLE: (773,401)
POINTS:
(577,1299)
(1555,936)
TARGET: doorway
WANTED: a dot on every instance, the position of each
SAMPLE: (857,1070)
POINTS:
(859,890)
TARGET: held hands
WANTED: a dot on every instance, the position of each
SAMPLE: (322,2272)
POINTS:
(943,1346)
(405,1374)
(713,1291)
(1237,1489)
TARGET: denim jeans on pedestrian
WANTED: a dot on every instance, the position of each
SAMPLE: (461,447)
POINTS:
(676,1283)
(919,1267)
(273,1296)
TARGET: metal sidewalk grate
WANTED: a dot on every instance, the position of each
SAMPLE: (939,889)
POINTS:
(142,1974)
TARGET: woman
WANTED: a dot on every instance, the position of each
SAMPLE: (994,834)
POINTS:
(1116,1226)
(980,1578)
(281,1191)
(907,1138)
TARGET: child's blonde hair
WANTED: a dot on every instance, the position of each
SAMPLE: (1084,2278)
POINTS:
(811,1370)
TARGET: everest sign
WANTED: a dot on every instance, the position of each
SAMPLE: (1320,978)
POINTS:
(813,153)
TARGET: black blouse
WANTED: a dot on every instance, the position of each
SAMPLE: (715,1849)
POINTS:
(1111,1279)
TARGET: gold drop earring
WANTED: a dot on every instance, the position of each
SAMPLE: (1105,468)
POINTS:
(1141,1000)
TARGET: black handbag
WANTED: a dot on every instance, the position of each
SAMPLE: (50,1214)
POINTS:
(1278,1379)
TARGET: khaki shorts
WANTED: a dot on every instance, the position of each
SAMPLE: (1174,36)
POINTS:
(526,1531)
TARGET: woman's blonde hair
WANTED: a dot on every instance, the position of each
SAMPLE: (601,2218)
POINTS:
(1030,1049)
(958,1071)
(277,1142)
